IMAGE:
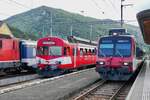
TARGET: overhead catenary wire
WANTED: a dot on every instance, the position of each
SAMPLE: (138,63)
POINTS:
(19,4)
(10,3)
(97,5)
(112,5)
(116,10)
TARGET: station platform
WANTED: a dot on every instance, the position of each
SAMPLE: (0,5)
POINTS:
(54,90)
(141,87)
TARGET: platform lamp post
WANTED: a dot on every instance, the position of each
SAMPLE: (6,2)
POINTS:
(122,13)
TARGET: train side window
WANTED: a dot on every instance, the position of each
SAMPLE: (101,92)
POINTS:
(13,45)
(93,51)
(90,52)
(81,51)
(66,51)
(0,44)
(86,51)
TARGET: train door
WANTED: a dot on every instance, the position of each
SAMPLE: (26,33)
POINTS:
(67,59)
(81,57)
(74,57)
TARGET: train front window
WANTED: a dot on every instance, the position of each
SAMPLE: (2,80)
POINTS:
(52,50)
(106,50)
(123,50)
(55,51)
(42,50)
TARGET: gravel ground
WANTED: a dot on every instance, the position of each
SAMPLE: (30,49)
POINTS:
(54,90)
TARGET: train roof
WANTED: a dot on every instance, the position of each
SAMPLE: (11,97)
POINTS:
(29,42)
(143,18)
(74,39)
(132,36)
(120,31)
(86,46)
(54,37)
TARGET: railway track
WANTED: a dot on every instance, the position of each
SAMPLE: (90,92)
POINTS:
(106,90)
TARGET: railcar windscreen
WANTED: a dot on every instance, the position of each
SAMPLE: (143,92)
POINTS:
(51,51)
(106,49)
(117,47)
(123,50)
(55,51)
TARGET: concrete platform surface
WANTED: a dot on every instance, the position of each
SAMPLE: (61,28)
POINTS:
(53,90)
(141,87)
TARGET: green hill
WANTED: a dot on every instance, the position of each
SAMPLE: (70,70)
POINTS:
(37,22)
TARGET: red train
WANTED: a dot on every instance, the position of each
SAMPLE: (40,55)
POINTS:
(16,55)
(55,55)
(116,58)
(9,54)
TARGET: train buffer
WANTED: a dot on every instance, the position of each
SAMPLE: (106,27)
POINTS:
(141,87)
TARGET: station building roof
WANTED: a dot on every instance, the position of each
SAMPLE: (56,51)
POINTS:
(5,31)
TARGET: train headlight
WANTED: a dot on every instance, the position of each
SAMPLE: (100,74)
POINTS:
(125,63)
(100,62)
(58,62)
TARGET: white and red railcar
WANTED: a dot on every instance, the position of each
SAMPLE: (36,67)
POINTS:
(116,59)
(55,55)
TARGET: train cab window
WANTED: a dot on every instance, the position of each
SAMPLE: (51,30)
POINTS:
(55,51)
(52,51)
(42,50)
(45,51)
(0,44)
(65,50)
(81,51)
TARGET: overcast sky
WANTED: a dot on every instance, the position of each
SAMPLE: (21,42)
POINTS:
(101,9)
